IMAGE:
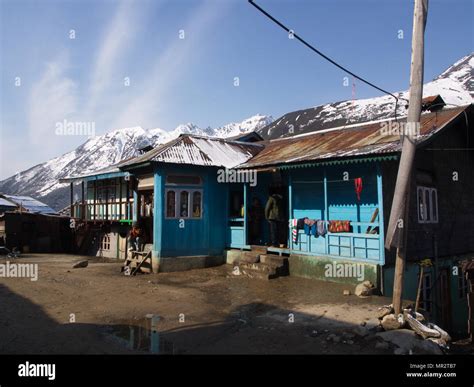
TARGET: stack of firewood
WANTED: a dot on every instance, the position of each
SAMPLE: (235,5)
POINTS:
(415,321)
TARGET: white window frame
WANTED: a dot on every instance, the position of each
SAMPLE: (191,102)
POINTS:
(177,192)
(105,242)
(430,212)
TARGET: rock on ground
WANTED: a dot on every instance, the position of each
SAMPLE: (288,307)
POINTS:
(390,322)
(83,263)
(407,340)
(364,289)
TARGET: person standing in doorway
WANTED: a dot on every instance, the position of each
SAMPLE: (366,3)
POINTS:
(275,216)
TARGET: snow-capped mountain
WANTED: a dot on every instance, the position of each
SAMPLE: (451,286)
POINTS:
(42,180)
(454,85)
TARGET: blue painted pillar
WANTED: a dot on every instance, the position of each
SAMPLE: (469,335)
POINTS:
(290,210)
(135,200)
(381,218)
(326,210)
(245,215)
(158,199)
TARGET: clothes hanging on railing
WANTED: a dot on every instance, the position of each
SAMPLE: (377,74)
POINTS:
(339,226)
(317,227)
(296,225)
(321,226)
(358,187)
(311,230)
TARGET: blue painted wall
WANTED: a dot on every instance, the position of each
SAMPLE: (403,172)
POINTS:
(203,236)
(340,203)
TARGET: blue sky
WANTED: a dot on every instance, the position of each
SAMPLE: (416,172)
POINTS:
(174,81)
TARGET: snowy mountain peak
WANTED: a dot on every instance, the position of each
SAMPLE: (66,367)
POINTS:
(460,72)
(454,85)
(41,181)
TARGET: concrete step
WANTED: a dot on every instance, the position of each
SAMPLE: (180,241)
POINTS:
(259,249)
(256,266)
(258,274)
(249,257)
(280,263)
(273,259)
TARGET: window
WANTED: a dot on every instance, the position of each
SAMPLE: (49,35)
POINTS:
(196,204)
(183,180)
(427,200)
(105,242)
(183,203)
(426,296)
(146,204)
(462,284)
(171,204)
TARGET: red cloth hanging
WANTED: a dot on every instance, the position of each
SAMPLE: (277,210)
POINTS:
(358,186)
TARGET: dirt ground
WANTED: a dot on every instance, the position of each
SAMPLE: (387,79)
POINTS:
(99,310)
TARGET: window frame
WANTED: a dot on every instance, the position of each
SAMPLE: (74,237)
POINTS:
(429,210)
(187,184)
(105,242)
(425,301)
(177,202)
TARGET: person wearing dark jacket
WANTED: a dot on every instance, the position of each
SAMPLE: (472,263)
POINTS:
(275,216)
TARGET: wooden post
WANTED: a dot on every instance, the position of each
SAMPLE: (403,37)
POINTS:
(95,200)
(107,186)
(401,257)
(72,198)
(326,210)
(245,215)
(397,231)
(393,236)
(127,199)
(83,202)
(418,293)
(120,199)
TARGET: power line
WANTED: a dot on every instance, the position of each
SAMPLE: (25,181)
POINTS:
(314,49)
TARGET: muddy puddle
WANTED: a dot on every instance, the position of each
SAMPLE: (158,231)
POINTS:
(141,335)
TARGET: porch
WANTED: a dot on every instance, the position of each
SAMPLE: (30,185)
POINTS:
(321,191)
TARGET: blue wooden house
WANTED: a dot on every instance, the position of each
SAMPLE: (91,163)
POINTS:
(197,197)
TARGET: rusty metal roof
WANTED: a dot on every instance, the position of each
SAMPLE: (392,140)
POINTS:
(348,141)
(199,150)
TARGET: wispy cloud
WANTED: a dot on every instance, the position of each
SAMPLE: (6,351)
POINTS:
(52,99)
(118,36)
(145,106)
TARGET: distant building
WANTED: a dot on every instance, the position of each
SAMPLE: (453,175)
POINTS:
(24,204)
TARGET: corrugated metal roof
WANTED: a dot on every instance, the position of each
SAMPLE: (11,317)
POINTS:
(6,203)
(30,204)
(353,141)
(199,150)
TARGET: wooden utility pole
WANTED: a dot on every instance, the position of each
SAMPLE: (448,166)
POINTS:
(397,227)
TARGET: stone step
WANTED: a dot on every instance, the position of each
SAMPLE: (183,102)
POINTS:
(249,256)
(259,249)
(258,274)
(263,267)
(273,259)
